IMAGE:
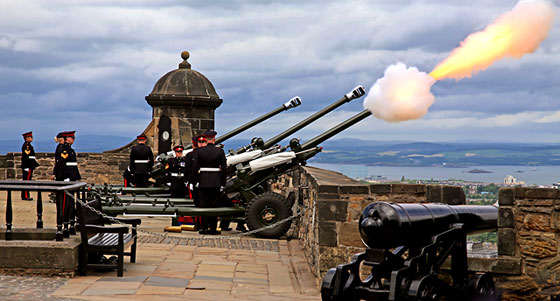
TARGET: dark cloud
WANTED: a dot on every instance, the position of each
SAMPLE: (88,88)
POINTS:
(95,61)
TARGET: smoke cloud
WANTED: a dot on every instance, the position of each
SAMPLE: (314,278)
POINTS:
(513,34)
(403,93)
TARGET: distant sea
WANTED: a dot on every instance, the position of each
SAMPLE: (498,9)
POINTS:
(539,175)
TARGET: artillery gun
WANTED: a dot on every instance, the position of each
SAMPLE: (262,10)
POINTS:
(406,246)
(247,189)
(158,171)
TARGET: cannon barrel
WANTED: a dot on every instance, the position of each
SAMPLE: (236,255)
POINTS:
(335,130)
(292,103)
(357,92)
(388,225)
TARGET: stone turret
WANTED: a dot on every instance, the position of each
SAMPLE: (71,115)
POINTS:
(183,102)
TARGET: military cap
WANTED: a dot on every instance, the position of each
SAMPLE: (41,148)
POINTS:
(60,135)
(200,138)
(28,134)
(178,148)
(141,137)
(69,134)
(210,134)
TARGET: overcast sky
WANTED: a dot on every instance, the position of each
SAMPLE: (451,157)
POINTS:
(88,64)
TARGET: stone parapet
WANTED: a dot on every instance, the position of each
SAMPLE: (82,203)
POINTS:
(332,204)
(94,167)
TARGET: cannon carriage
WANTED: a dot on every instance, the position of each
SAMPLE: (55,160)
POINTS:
(247,196)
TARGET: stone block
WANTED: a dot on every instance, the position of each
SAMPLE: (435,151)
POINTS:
(538,246)
(506,242)
(380,188)
(207,123)
(540,193)
(349,235)
(507,266)
(501,265)
(434,194)
(539,222)
(327,234)
(327,189)
(453,195)
(328,196)
(505,218)
(354,189)
(331,210)
(408,189)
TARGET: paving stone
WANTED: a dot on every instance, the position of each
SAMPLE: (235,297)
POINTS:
(167,282)
(124,279)
(160,290)
(279,278)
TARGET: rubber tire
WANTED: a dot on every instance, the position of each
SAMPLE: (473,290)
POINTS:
(275,202)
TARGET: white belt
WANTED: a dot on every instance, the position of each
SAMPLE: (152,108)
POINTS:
(141,161)
(71,163)
(32,157)
(209,169)
(175,174)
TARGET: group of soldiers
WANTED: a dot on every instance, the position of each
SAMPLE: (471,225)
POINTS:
(200,174)
(66,162)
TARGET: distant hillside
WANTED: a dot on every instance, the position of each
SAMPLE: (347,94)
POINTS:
(354,151)
(368,152)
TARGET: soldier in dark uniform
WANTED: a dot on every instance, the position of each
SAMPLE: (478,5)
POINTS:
(66,169)
(209,167)
(141,162)
(28,163)
(198,141)
(60,139)
(175,170)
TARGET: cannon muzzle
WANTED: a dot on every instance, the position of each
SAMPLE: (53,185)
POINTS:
(389,225)
(358,92)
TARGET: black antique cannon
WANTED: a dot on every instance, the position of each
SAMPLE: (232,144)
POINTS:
(406,246)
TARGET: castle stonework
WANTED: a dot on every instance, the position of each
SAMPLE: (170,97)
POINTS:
(528,263)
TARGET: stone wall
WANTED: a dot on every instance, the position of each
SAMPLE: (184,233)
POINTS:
(528,265)
(94,167)
(529,226)
(332,204)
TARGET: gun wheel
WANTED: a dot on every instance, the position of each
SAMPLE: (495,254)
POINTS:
(267,209)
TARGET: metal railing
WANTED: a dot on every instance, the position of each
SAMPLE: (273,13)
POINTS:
(65,211)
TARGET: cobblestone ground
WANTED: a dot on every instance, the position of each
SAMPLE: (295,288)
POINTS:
(29,288)
(241,244)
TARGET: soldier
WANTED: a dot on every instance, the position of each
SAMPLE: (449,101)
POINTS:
(175,169)
(60,139)
(66,161)
(66,169)
(141,162)
(28,162)
(197,142)
(209,167)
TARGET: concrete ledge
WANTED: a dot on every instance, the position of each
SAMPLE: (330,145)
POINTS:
(31,255)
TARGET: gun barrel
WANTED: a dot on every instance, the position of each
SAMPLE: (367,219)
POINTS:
(388,225)
(335,130)
(358,92)
(292,103)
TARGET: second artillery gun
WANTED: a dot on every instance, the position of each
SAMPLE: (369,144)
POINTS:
(247,186)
